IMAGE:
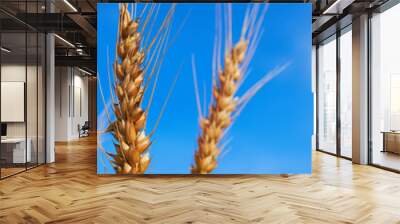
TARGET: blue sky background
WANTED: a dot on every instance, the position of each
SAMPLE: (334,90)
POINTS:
(272,134)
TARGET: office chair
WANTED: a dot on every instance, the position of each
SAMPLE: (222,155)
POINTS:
(84,130)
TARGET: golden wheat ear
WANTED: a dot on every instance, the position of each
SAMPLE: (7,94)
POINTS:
(132,75)
(225,106)
(219,116)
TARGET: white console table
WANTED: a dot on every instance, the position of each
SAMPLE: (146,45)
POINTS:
(18,149)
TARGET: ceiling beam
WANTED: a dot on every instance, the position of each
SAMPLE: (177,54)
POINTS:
(79,61)
(84,24)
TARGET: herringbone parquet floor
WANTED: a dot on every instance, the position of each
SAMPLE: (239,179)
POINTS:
(69,191)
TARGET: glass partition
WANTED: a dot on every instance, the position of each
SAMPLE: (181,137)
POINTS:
(41,96)
(346,92)
(22,89)
(327,95)
(13,94)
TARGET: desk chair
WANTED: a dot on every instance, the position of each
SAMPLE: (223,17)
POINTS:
(84,130)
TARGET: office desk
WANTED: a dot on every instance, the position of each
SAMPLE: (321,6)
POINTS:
(13,150)
(391,142)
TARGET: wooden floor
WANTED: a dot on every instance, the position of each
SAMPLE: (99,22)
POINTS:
(387,159)
(9,171)
(5,172)
(69,191)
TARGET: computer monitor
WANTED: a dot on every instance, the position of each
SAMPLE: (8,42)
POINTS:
(3,130)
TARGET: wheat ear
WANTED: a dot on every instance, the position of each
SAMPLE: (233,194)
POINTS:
(225,105)
(219,118)
(128,129)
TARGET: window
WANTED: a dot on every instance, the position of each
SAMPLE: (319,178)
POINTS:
(385,89)
(346,92)
(327,95)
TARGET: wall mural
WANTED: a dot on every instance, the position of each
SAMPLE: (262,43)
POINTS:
(204,88)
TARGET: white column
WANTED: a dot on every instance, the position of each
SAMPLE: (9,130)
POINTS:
(50,92)
(50,99)
(360,90)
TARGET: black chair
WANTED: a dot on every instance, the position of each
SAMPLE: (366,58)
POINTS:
(84,130)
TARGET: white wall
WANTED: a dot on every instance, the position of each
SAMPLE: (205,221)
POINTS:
(70,83)
(62,81)
(81,85)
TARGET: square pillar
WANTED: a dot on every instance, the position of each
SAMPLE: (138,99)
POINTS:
(360,90)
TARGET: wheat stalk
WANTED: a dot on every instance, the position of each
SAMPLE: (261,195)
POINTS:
(225,105)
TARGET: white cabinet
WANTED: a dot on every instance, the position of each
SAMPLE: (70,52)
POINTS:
(17,146)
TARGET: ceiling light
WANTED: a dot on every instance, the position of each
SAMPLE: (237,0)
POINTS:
(5,50)
(84,71)
(70,5)
(337,7)
(65,41)
(328,10)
